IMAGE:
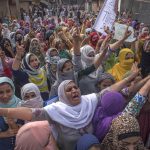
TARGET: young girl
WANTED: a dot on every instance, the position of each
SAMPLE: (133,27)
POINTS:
(31,96)
(31,72)
(8,127)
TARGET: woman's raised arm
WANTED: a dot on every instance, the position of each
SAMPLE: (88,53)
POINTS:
(17,61)
(123,83)
(17,113)
(136,104)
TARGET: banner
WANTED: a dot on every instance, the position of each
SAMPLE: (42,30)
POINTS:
(120,30)
(106,16)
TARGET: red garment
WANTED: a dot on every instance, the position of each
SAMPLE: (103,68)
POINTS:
(144,122)
(144,37)
(94,37)
(8,73)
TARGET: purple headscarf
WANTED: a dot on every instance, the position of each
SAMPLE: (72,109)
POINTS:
(110,106)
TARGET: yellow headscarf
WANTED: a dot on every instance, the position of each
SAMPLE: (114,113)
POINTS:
(123,66)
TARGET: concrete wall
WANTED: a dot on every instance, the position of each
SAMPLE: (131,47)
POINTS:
(139,9)
(4,9)
(11,10)
(25,6)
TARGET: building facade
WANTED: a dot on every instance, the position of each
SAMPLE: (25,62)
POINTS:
(11,8)
(140,9)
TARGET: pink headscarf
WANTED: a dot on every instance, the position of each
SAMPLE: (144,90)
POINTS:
(35,136)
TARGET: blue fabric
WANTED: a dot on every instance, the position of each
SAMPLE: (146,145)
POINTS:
(44,96)
(3,125)
(7,143)
(51,100)
(20,77)
(20,122)
(86,142)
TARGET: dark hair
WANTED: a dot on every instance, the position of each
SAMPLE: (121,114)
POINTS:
(65,63)
(30,57)
(6,83)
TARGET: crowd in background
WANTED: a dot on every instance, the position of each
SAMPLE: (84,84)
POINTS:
(64,86)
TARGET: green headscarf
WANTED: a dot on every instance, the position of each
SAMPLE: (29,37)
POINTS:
(13,102)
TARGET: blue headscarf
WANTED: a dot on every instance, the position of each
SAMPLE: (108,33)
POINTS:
(13,102)
(86,142)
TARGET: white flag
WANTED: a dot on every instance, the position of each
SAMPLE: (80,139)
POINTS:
(106,16)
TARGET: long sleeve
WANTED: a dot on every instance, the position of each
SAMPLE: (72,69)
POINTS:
(135,105)
(39,114)
(85,72)
(77,63)
(21,77)
(53,91)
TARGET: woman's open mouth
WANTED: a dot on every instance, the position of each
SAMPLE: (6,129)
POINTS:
(75,96)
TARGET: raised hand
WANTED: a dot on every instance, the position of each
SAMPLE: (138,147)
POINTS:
(76,36)
(106,29)
(134,74)
(76,41)
(127,33)
(145,90)
(20,50)
(62,35)
(134,67)
(106,42)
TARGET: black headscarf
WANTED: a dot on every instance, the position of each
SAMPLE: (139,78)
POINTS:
(145,59)
(7,53)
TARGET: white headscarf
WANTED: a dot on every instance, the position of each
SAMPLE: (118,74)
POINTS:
(143,30)
(61,92)
(32,46)
(88,61)
(12,38)
(36,102)
(75,117)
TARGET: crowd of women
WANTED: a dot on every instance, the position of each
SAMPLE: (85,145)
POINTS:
(64,86)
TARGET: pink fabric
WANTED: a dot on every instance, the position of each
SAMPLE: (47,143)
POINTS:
(93,43)
(35,136)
